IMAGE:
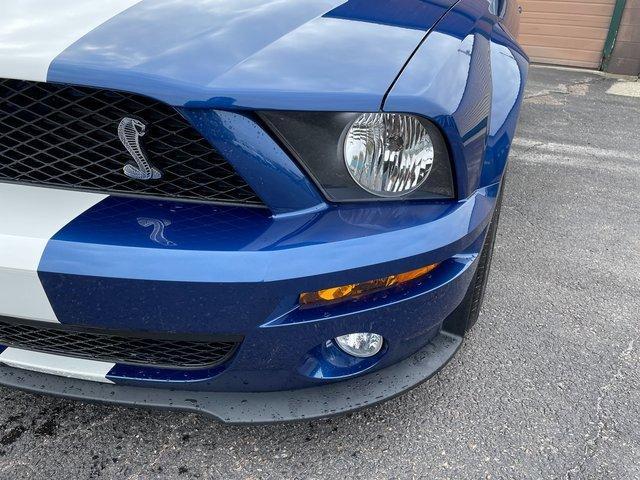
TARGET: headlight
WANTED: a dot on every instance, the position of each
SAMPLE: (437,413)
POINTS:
(388,154)
(367,156)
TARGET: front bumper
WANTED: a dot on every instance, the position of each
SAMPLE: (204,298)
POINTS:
(236,271)
(263,407)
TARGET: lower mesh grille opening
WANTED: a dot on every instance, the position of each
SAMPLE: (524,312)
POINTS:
(179,353)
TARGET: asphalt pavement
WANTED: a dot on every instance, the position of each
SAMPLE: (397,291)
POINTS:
(547,385)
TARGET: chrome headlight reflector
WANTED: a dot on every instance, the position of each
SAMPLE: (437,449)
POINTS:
(354,156)
(388,154)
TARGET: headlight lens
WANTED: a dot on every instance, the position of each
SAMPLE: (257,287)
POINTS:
(355,156)
(388,154)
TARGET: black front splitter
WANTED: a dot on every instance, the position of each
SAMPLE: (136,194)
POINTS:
(260,407)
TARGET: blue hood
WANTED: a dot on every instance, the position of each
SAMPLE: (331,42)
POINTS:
(280,54)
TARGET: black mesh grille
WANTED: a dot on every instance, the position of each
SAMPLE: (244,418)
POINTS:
(67,136)
(179,354)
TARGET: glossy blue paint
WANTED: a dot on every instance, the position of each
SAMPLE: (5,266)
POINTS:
(271,357)
(234,244)
(271,173)
(328,362)
(240,271)
(459,78)
(449,81)
(237,270)
(417,15)
(311,55)
(509,75)
(135,375)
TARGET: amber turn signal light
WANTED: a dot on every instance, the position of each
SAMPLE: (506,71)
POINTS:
(353,290)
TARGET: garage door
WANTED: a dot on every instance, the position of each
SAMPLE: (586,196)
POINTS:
(565,32)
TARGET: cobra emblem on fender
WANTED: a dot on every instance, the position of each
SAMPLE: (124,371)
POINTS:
(129,131)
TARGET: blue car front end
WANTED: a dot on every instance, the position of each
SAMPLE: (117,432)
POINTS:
(152,272)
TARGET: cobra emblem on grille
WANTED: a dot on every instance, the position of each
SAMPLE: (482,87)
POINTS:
(129,131)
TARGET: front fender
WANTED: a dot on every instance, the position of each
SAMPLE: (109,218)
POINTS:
(468,76)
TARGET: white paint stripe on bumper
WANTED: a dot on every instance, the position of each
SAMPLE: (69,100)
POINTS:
(34,32)
(29,217)
(57,365)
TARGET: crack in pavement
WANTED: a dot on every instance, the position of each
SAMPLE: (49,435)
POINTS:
(571,88)
(593,442)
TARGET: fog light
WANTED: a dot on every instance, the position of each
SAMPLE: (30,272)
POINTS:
(360,344)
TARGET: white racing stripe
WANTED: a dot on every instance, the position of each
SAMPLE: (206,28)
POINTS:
(34,32)
(57,365)
(29,217)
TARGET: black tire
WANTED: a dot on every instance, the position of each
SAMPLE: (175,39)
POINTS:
(465,316)
(479,284)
